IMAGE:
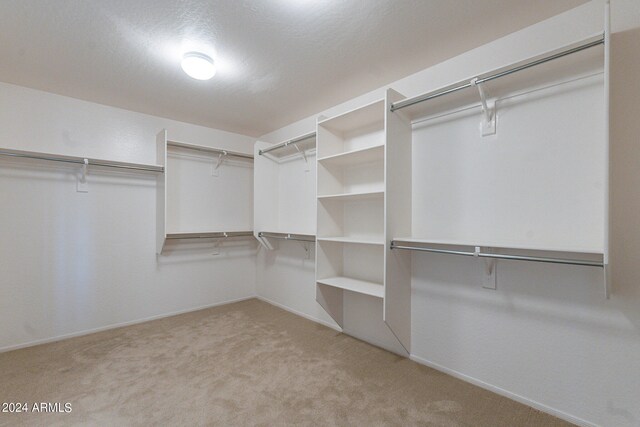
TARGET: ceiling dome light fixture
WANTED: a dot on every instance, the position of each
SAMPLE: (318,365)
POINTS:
(198,65)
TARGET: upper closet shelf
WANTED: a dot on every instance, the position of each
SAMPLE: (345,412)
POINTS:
(361,117)
(354,157)
(80,160)
(352,240)
(571,62)
(206,149)
(572,256)
(301,145)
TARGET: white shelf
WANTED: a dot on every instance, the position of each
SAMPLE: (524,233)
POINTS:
(355,285)
(355,119)
(354,240)
(500,245)
(352,196)
(357,156)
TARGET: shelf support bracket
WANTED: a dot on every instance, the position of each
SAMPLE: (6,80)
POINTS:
(83,185)
(488,109)
(218,242)
(221,158)
(307,253)
(489,266)
(304,156)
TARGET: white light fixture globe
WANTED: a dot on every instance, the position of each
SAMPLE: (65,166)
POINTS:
(198,65)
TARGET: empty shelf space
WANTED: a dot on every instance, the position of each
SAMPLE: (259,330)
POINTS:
(352,196)
(354,240)
(355,119)
(355,285)
(355,130)
(374,153)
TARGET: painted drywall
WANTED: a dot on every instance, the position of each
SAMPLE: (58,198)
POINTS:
(547,336)
(75,262)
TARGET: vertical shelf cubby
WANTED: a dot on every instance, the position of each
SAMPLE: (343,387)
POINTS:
(355,169)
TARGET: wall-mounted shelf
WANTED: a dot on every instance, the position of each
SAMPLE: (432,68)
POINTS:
(353,240)
(209,235)
(302,145)
(212,150)
(571,62)
(6,152)
(515,252)
(288,236)
(373,153)
(354,285)
(284,186)
(352,196)
(193,194)
(489,198)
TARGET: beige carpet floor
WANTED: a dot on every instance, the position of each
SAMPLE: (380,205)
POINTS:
(243,364)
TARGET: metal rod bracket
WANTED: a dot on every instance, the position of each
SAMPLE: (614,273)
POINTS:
(489,266)
(221,157)
(82,185)
(304,156)
(488,125)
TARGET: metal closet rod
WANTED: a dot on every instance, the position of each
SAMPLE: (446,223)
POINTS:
(287,143)
(287,236)
(79,160)
(209,149)
(210,235)
(428,96)
(501,256)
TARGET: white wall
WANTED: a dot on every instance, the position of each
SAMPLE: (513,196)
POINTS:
(72,262)
(546,336)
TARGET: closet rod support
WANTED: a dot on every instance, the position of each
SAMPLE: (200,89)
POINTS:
(479,254)
(432,95)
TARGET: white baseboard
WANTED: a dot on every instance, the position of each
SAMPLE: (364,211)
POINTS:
(299,313)
(503,392)
(118,325)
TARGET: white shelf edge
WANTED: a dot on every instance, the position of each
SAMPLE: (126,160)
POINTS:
(354,285)
(358,241)
(352,153)
(353,110)
(355,195)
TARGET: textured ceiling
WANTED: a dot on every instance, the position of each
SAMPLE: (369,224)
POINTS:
(278,60)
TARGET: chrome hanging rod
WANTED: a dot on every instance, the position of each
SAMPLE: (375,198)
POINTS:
(287,236)
(209,149)
(431,95)
(79,160)
(501,256)
(210,235)
(287,143)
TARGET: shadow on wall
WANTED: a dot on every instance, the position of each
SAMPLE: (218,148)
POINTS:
(625,172)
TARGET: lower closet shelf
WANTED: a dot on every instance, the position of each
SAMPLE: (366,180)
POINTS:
(354,285)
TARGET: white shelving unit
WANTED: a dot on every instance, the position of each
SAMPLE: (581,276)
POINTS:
(488,192)
(284,183)
(355,190)
(194,197)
